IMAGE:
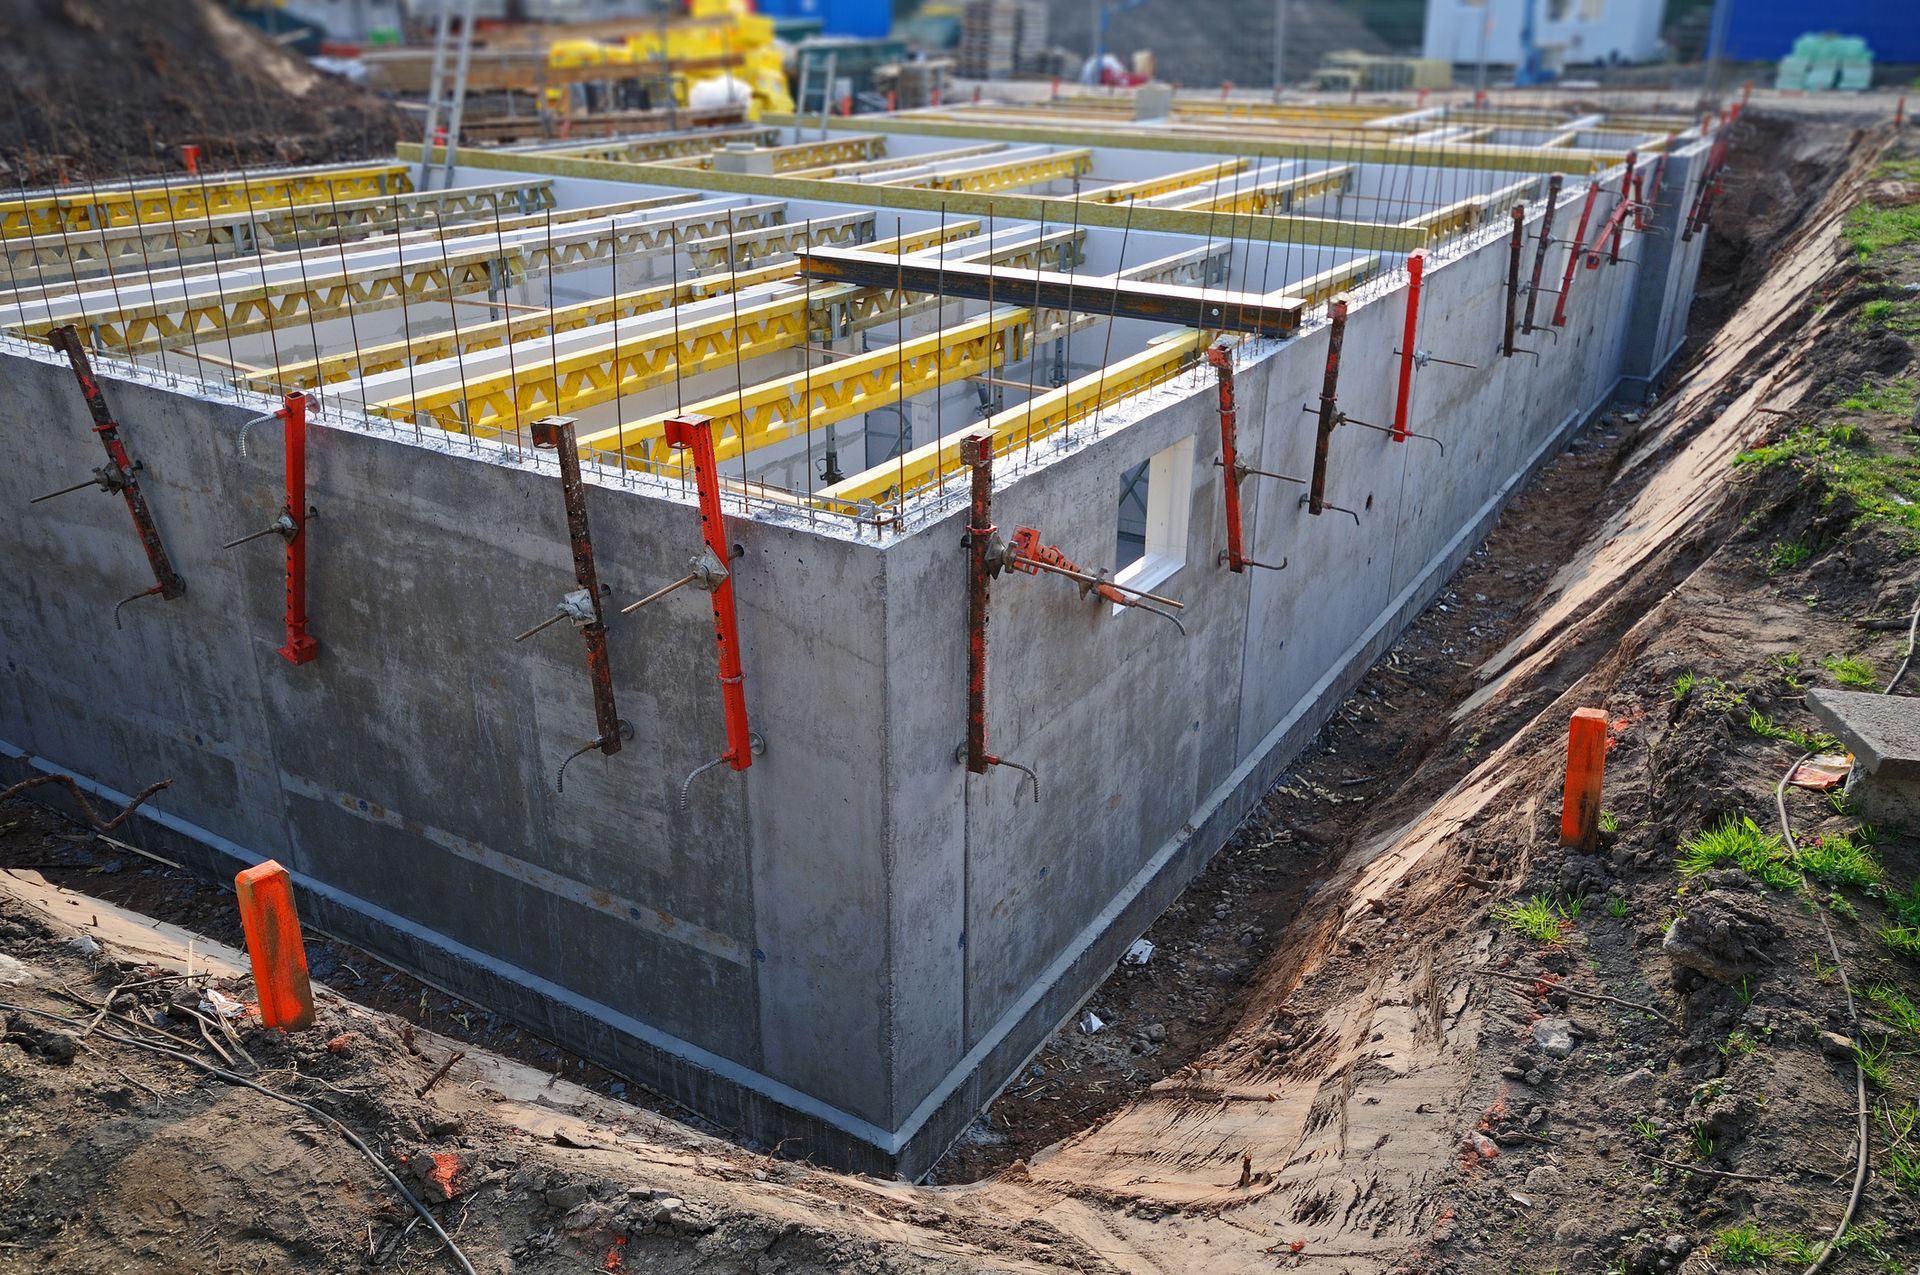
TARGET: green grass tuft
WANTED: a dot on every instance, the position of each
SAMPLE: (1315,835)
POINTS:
(1849,670)
(1904,939)
(1683,685)
(1840,859)
(1872,229)
(1786,555)
(1748,1245)
(1539,918)
(1893,1007)
(1739,843)
(1807,742)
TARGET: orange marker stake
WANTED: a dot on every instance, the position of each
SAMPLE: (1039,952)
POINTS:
(273,942)
(1586,765)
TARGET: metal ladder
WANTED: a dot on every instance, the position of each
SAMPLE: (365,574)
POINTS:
(437,89)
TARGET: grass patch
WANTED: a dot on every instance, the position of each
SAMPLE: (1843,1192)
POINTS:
(1737,1042)
(1903,1158)
(1748,1245)
(1883,485)
(1840,859)
(1873,1064)
(1683,685)
(1617,907)
(1893,1007)
(1739,843)
(1646,1128)
(1894,395)
(1786,555)
(1849,670)
(1874,228)
(1807,742)
(1609,822)
(1539,918)
(1904,939)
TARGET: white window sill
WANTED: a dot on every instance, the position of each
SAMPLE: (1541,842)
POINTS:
(1146,573)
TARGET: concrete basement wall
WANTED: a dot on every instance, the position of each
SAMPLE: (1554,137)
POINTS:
(727,955)
(854,943)
(1151,747)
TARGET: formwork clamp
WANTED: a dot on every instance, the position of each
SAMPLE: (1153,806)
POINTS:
(1233,557)
(291,525)
(120,476)
(694,434)
(582,605)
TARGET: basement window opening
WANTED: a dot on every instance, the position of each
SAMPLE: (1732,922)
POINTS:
(1151,539)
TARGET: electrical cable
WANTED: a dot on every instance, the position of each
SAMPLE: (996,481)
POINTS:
(1846,985)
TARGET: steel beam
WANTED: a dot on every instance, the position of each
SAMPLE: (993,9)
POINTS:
(1215,310)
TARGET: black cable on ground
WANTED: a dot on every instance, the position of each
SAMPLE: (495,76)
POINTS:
(1853,1016)
(233,1078)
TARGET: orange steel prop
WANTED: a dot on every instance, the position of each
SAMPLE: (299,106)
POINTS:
(274,945)
(695,433)
(1229,454)
(1573,256)
(300,647)
(1586,767)
(1416,267)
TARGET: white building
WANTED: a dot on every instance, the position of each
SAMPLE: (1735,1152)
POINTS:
(1567,32)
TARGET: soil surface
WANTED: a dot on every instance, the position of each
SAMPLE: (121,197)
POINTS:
(1395,1027)
(107,89)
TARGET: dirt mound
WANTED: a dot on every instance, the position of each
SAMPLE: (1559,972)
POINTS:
(104,89)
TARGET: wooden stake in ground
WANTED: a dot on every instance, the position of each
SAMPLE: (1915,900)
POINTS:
(1586,766)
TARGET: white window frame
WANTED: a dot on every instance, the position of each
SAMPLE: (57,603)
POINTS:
(1169,506)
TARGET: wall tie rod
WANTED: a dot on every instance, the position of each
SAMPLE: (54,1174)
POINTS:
(120,475)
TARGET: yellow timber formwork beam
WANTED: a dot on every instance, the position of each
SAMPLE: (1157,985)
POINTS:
(1359,235)
(419,275)
(538,325)
(1166,184)
(1019,426)
(76,209)
(1471,211)
(1012,174)
(724,251)
(773,411)
(1277,196)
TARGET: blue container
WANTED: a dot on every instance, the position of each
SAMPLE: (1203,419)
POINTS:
(838,17)
(1764,30)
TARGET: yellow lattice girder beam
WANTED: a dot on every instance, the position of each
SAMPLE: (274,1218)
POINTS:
(1167,183)
(537,325)
(321,292)
(492,404)
(899,161)
(852,149)
(1472,210)
(778,409)
(1012,174)
(1331,283)
(79,209)
(654,150)
(138,246)
(1019,426)
(1282,193)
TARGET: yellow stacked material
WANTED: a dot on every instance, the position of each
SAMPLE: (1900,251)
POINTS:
(731,41)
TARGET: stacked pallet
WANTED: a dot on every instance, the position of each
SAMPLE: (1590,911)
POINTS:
(990,39)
